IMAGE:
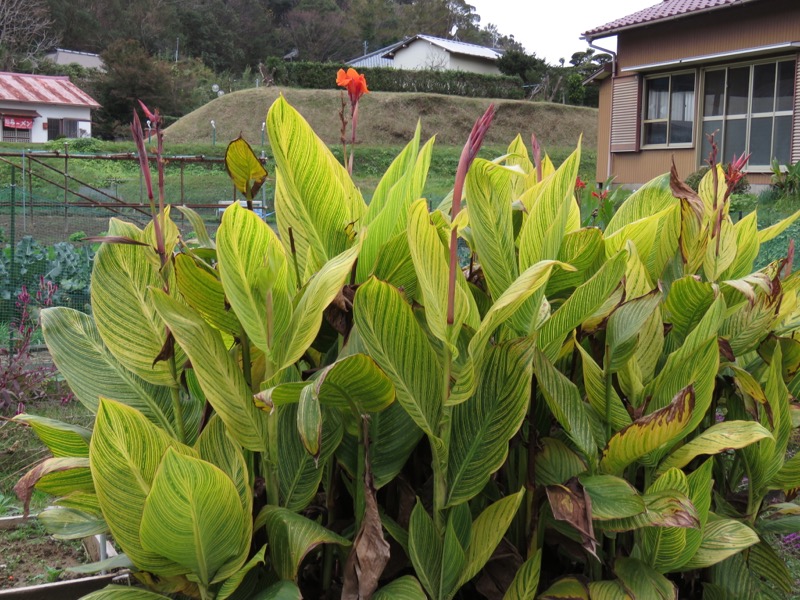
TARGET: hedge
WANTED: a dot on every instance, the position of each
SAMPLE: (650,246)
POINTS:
(453,83)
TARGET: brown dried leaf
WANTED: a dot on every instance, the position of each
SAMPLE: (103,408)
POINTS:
(571,503)
(24,487)
(683,192)
(370,552)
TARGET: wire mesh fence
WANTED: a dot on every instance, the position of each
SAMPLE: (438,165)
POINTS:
(50,202)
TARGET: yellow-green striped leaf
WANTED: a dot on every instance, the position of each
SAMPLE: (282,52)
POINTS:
(721,538)
(728,435)
(608,590)
(526,579)
(425,550)
(408,360)
(309,420)
(198,225)
(194,517)
(643,581)
(488,530)
(70,523)
(747,246)
(488,189)
(255,274)
(121,276)
(564,401)
(306,317)
(556,462)
(402,588)
(648,433)
(216,446)
(124,455)
(300,473)
(123,592)
(594,384)
(314,195)
(773,231)
(219,375)
(92,371)
(483,425)
(612,497)
(230,585)
(62,439)
(651,198)
(291,537)
(244,168)
(202,290)
(567,588)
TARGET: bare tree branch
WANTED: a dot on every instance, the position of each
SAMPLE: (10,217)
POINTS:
(26,32)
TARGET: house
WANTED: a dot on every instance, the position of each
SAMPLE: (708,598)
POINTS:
(428,52)
(38,108)
(60,56)
(685,69)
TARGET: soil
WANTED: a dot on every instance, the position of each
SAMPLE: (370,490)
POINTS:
(30,557)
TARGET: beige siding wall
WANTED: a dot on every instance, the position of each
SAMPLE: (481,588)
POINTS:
(472,65)
(740,27)
(724,30)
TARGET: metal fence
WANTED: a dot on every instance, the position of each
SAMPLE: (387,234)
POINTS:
(49,201)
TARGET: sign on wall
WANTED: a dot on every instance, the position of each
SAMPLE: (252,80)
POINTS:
(18,122)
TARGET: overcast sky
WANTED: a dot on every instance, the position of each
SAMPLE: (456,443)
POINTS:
(552,29)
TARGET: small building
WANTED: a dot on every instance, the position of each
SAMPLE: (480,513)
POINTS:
(88,60)
(39,108)
(685,69)
(428,52)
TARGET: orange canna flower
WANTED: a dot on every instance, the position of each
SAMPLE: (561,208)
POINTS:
(355,83)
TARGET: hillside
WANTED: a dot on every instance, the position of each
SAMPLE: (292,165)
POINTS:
(388,119)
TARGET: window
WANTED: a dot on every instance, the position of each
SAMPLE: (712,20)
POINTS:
(669,110)
(16,129)
(62,128)
(749,109)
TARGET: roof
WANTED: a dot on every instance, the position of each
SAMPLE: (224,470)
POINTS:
(43,89)
(452,46)
(663,11)
(373,59)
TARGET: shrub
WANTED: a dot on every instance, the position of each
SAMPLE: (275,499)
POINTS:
(693,180)
(453,83)
(616,401)
(786,179)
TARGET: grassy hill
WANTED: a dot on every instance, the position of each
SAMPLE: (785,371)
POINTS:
(389,119)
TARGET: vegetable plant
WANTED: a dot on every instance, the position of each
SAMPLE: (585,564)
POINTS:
(342,408)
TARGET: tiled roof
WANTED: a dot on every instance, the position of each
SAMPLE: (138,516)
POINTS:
(452,46)
(667,9)
(43,89)
(373,59)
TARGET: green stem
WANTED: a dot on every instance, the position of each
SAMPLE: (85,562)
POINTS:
(609,389)
(439,461)
(271,474)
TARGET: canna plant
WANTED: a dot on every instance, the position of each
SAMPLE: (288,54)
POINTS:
(341,409)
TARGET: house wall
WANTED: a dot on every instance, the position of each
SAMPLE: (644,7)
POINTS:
(420,54)
(51,111)
(472,65)
(740,27)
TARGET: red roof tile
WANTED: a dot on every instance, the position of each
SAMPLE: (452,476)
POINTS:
(667,9)
(43,89)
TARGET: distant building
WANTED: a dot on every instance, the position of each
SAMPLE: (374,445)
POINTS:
(38,108)
(428,52)
(60,56)
(688,68)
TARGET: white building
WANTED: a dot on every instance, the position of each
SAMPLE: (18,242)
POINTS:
(60,56)
(428,52)
(38,108)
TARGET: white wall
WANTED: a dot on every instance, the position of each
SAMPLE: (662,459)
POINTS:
(472,65)
(52,111)
(421,54)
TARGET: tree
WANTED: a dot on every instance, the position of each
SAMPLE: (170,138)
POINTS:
(26,32)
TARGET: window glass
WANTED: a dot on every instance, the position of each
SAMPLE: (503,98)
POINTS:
(735,138)
(763,88)
(655,133)
(760,141)
(714,93)
(782,139)
(785,85)
(657,98)
(681,109)
(738,90)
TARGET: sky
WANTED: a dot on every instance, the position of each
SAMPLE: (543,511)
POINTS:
(552,29)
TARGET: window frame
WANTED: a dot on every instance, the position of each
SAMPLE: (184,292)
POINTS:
(749,115)
(644,104)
